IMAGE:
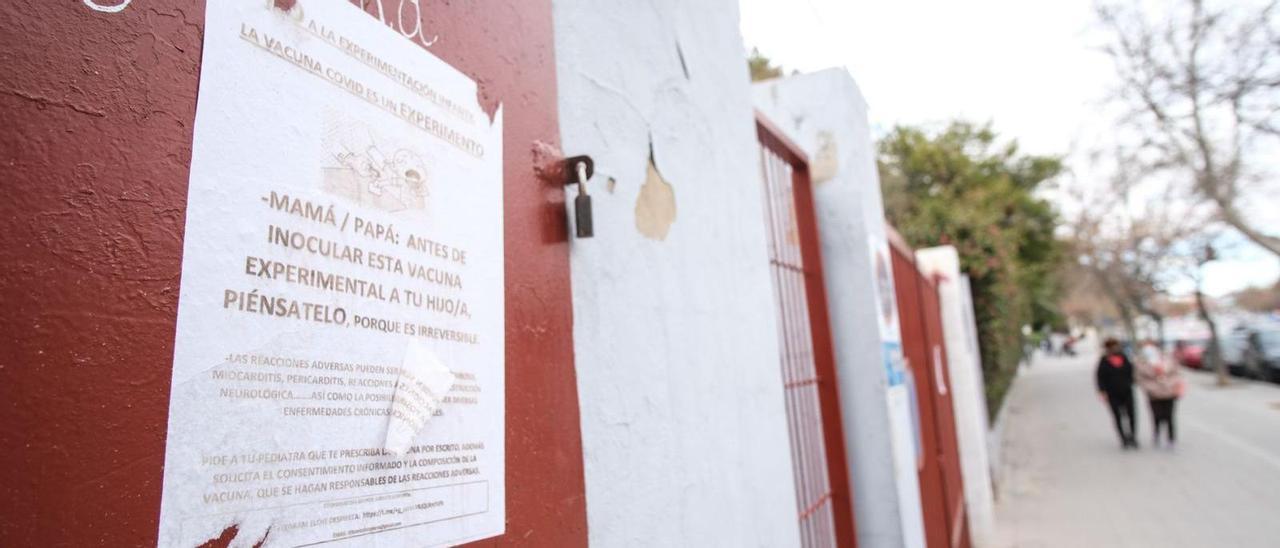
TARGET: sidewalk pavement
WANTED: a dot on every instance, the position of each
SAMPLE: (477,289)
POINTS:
(1064,481)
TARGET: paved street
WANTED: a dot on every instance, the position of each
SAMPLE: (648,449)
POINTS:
(1064,480)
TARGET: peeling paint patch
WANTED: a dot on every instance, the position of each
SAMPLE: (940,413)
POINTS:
(485,98)
(656,205)
(44,102)
(547,165)
(826,160)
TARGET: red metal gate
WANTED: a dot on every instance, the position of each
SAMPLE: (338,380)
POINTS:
(808,367)
(941,490)
(949,454)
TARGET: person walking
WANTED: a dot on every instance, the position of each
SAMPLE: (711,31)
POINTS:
(1161,378)
(1115,387)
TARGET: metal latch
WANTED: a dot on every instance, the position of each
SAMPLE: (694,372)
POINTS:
(578,169)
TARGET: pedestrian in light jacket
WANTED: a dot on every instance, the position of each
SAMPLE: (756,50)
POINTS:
(1115,387)
(1162,380)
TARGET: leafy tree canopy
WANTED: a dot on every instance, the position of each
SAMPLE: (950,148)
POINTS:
(761,67)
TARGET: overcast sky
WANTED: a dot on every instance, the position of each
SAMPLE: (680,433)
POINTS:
(1031,67)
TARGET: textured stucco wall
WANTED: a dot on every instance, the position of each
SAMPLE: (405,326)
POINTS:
(683,425)
(825,114)
(966,385)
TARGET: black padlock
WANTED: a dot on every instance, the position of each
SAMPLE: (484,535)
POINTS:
(582,215)
(581,168)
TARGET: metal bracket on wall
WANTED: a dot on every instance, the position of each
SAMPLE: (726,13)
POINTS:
(577,170)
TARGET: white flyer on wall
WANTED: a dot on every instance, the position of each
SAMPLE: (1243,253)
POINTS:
(338,367)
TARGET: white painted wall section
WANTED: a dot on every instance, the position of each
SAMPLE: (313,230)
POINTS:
(969,396)
(683,419)
(825,114)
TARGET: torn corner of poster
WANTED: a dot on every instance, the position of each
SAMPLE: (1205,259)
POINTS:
(421,387)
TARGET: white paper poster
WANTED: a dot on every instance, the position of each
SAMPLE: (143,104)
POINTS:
(900,396)
(338,369)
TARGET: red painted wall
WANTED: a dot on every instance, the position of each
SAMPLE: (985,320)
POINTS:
(96,111)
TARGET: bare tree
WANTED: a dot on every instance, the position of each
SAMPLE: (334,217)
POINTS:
(1130,249)
(1214,349)
(1127,268)
(1202,86)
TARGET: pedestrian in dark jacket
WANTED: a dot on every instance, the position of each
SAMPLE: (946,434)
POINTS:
(1115,387)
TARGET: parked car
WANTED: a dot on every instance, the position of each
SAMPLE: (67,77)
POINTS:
(1230,347)
(1190,353)
(1260,356)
